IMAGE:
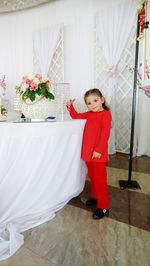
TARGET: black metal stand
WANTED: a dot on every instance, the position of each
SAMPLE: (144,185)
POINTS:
(129,183)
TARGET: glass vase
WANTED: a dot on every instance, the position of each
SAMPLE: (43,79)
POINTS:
(62,95)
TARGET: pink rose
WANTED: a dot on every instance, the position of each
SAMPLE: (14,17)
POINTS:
(33,87)
(28,82)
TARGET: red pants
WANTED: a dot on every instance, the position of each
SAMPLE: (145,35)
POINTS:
(99,189)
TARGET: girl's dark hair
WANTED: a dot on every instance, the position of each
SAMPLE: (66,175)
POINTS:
(99,94)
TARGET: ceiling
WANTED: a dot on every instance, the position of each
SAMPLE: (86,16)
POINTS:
(15,5)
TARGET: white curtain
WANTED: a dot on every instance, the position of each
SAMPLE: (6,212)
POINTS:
(142,129)
(113,26)
(142,125)
(44,45)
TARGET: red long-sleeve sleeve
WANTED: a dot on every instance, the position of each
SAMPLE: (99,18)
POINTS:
(102,140)
(75,115)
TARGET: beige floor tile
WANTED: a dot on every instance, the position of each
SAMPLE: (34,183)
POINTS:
(115,174)
(25,257)
(49,235)
(88,242)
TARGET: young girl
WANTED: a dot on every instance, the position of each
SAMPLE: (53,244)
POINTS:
(95,147)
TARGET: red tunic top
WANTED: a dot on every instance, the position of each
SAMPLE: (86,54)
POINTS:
(96,133)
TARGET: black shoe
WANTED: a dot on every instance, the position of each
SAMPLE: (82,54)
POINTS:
(91,202)
(100,213)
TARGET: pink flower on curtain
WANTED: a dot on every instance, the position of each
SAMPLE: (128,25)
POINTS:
(147,90)
(111,71)
(144,87)
(147,74)
(2,82)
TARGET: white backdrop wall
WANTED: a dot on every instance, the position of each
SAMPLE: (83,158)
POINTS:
(16,48)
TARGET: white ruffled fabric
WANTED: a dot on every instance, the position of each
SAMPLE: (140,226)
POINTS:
(41,171)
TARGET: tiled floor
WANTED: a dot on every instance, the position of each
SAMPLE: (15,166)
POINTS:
(73,238)
(139,164)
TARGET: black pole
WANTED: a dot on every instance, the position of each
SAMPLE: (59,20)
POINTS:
(128,183)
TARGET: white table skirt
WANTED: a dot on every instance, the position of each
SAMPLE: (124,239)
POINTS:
(40,171)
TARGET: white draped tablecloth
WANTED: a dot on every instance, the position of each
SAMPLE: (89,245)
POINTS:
(40,171)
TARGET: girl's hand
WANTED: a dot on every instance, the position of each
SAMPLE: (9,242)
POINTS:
(96,155)
(68,103)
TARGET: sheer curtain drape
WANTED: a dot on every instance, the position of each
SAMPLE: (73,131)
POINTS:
(142,125)
(44,45)
(143,105)
(113,26)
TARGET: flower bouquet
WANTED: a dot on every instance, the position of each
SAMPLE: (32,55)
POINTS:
(35,93)
(34,87)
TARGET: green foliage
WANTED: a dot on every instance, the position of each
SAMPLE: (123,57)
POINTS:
(42,90)
(3,110)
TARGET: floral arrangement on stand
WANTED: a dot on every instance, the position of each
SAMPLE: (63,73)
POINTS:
(143,23)
(145,88)
(3,110)
(35,87)
(35,95)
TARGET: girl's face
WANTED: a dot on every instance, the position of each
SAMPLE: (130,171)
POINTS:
(94,102)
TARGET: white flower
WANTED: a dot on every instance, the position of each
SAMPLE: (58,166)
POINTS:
(36,81)
(44,78)
(24,86)
(30,76)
